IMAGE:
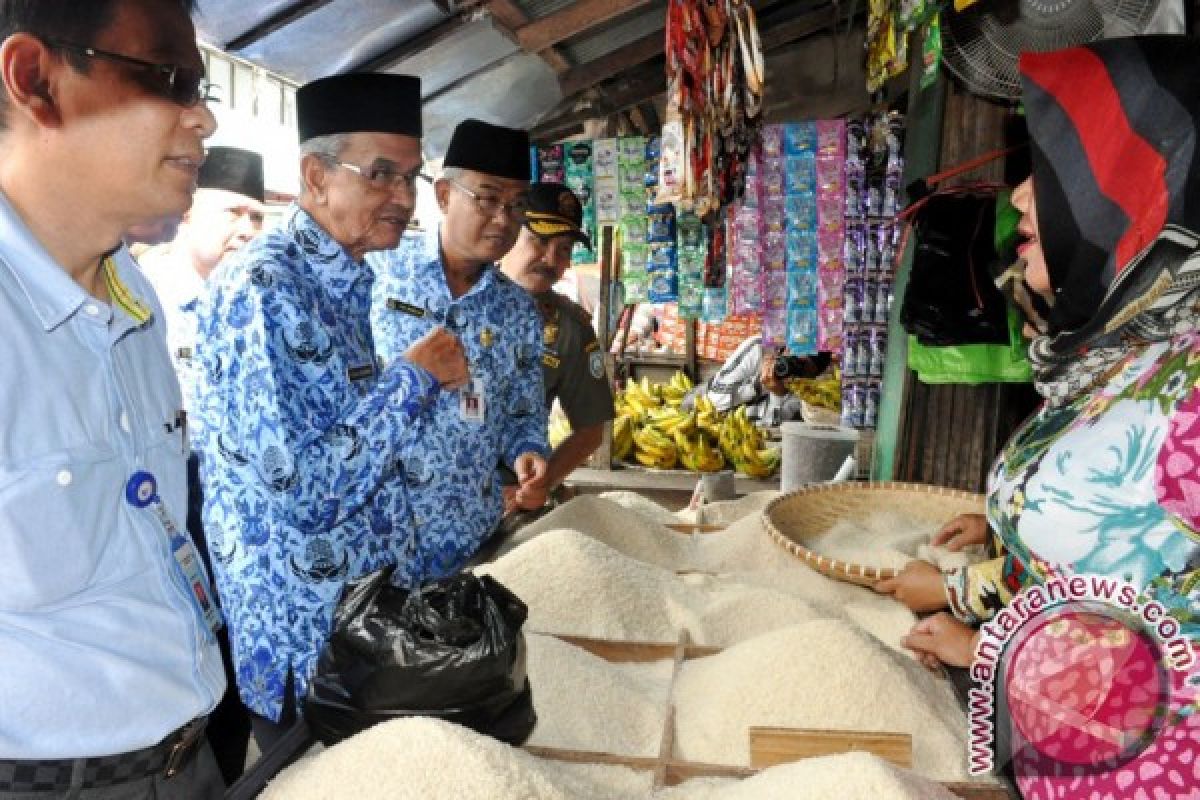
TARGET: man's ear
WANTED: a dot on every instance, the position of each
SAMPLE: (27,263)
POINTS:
(441,189)
(30,72)
(314,177)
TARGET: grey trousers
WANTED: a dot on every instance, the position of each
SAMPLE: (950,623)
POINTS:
(200,779)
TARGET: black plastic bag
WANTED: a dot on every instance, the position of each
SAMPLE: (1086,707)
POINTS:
(951,297)
(452,649)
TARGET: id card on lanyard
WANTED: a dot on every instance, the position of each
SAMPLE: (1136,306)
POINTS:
(141,492)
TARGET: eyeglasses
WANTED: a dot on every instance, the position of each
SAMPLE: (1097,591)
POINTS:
(384,177)
(185,86)
(489,205)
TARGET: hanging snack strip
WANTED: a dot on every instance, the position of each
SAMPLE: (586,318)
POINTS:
(578,178)
(715,75)
(873,172)
(829,157)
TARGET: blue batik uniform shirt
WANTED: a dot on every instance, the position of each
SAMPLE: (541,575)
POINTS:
(102,648)
(450,466)
(302,434)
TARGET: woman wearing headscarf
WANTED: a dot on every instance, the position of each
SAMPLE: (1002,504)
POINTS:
(1105,478)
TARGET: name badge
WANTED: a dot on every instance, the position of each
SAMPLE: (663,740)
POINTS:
(141,492)
(408,308)
(361,372)
(472,403)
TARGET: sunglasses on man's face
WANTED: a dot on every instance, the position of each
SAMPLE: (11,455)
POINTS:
(184,86)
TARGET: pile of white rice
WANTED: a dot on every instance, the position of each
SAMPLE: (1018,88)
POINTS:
(426,759)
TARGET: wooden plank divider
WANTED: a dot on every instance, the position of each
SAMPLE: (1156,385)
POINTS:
(693,527)
(770,746)
(666,746)
(591,757)
(637,652)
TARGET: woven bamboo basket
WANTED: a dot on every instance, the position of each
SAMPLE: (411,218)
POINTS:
(793,518)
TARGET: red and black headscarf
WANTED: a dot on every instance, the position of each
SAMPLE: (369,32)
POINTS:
(1114,129)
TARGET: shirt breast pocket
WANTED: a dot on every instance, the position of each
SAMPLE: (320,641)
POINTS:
(58,520)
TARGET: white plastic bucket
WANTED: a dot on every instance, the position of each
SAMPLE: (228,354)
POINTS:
(814,453)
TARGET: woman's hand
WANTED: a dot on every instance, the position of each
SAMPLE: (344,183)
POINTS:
(919,586)
(963,530)
(942,639)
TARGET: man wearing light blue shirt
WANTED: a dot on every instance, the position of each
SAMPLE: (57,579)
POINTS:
(106,622)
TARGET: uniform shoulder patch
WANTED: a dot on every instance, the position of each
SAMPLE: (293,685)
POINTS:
(596,365)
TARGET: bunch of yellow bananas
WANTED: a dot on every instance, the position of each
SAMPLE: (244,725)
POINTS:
(638,398)
(822,392)
(676,389)
(698,454)
(671,421)
(622,437)
(652,448)
(654,431)
(743,445)
(559,430)
(708,419)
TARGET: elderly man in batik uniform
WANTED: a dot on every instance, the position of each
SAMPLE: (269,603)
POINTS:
(302,426)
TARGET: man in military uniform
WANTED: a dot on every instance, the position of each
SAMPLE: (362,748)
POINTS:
(572,359)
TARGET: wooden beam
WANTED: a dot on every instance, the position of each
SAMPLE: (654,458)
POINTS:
(508,18)
(639,120)
(776,36)
(572,21)
(587,75)
(650,114)
(410,47)
(636,52)
(555,132)
(637,89)
(283,18)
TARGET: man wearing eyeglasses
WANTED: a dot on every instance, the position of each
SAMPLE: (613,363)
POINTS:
(450,278)
(110,663)
(572,361)
(301,424)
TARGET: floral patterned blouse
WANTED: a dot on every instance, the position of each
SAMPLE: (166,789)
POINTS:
(1107,484)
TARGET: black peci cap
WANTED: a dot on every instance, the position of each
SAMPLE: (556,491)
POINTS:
(491,149)
(234,170)
(376,102)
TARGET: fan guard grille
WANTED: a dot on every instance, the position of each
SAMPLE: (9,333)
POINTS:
(980,45)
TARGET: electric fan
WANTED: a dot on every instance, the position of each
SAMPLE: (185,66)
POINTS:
(980,45)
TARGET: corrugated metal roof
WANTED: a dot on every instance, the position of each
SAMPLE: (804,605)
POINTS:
(333,38)
(222,21)
(514,93)
(466,50)
(467,66)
